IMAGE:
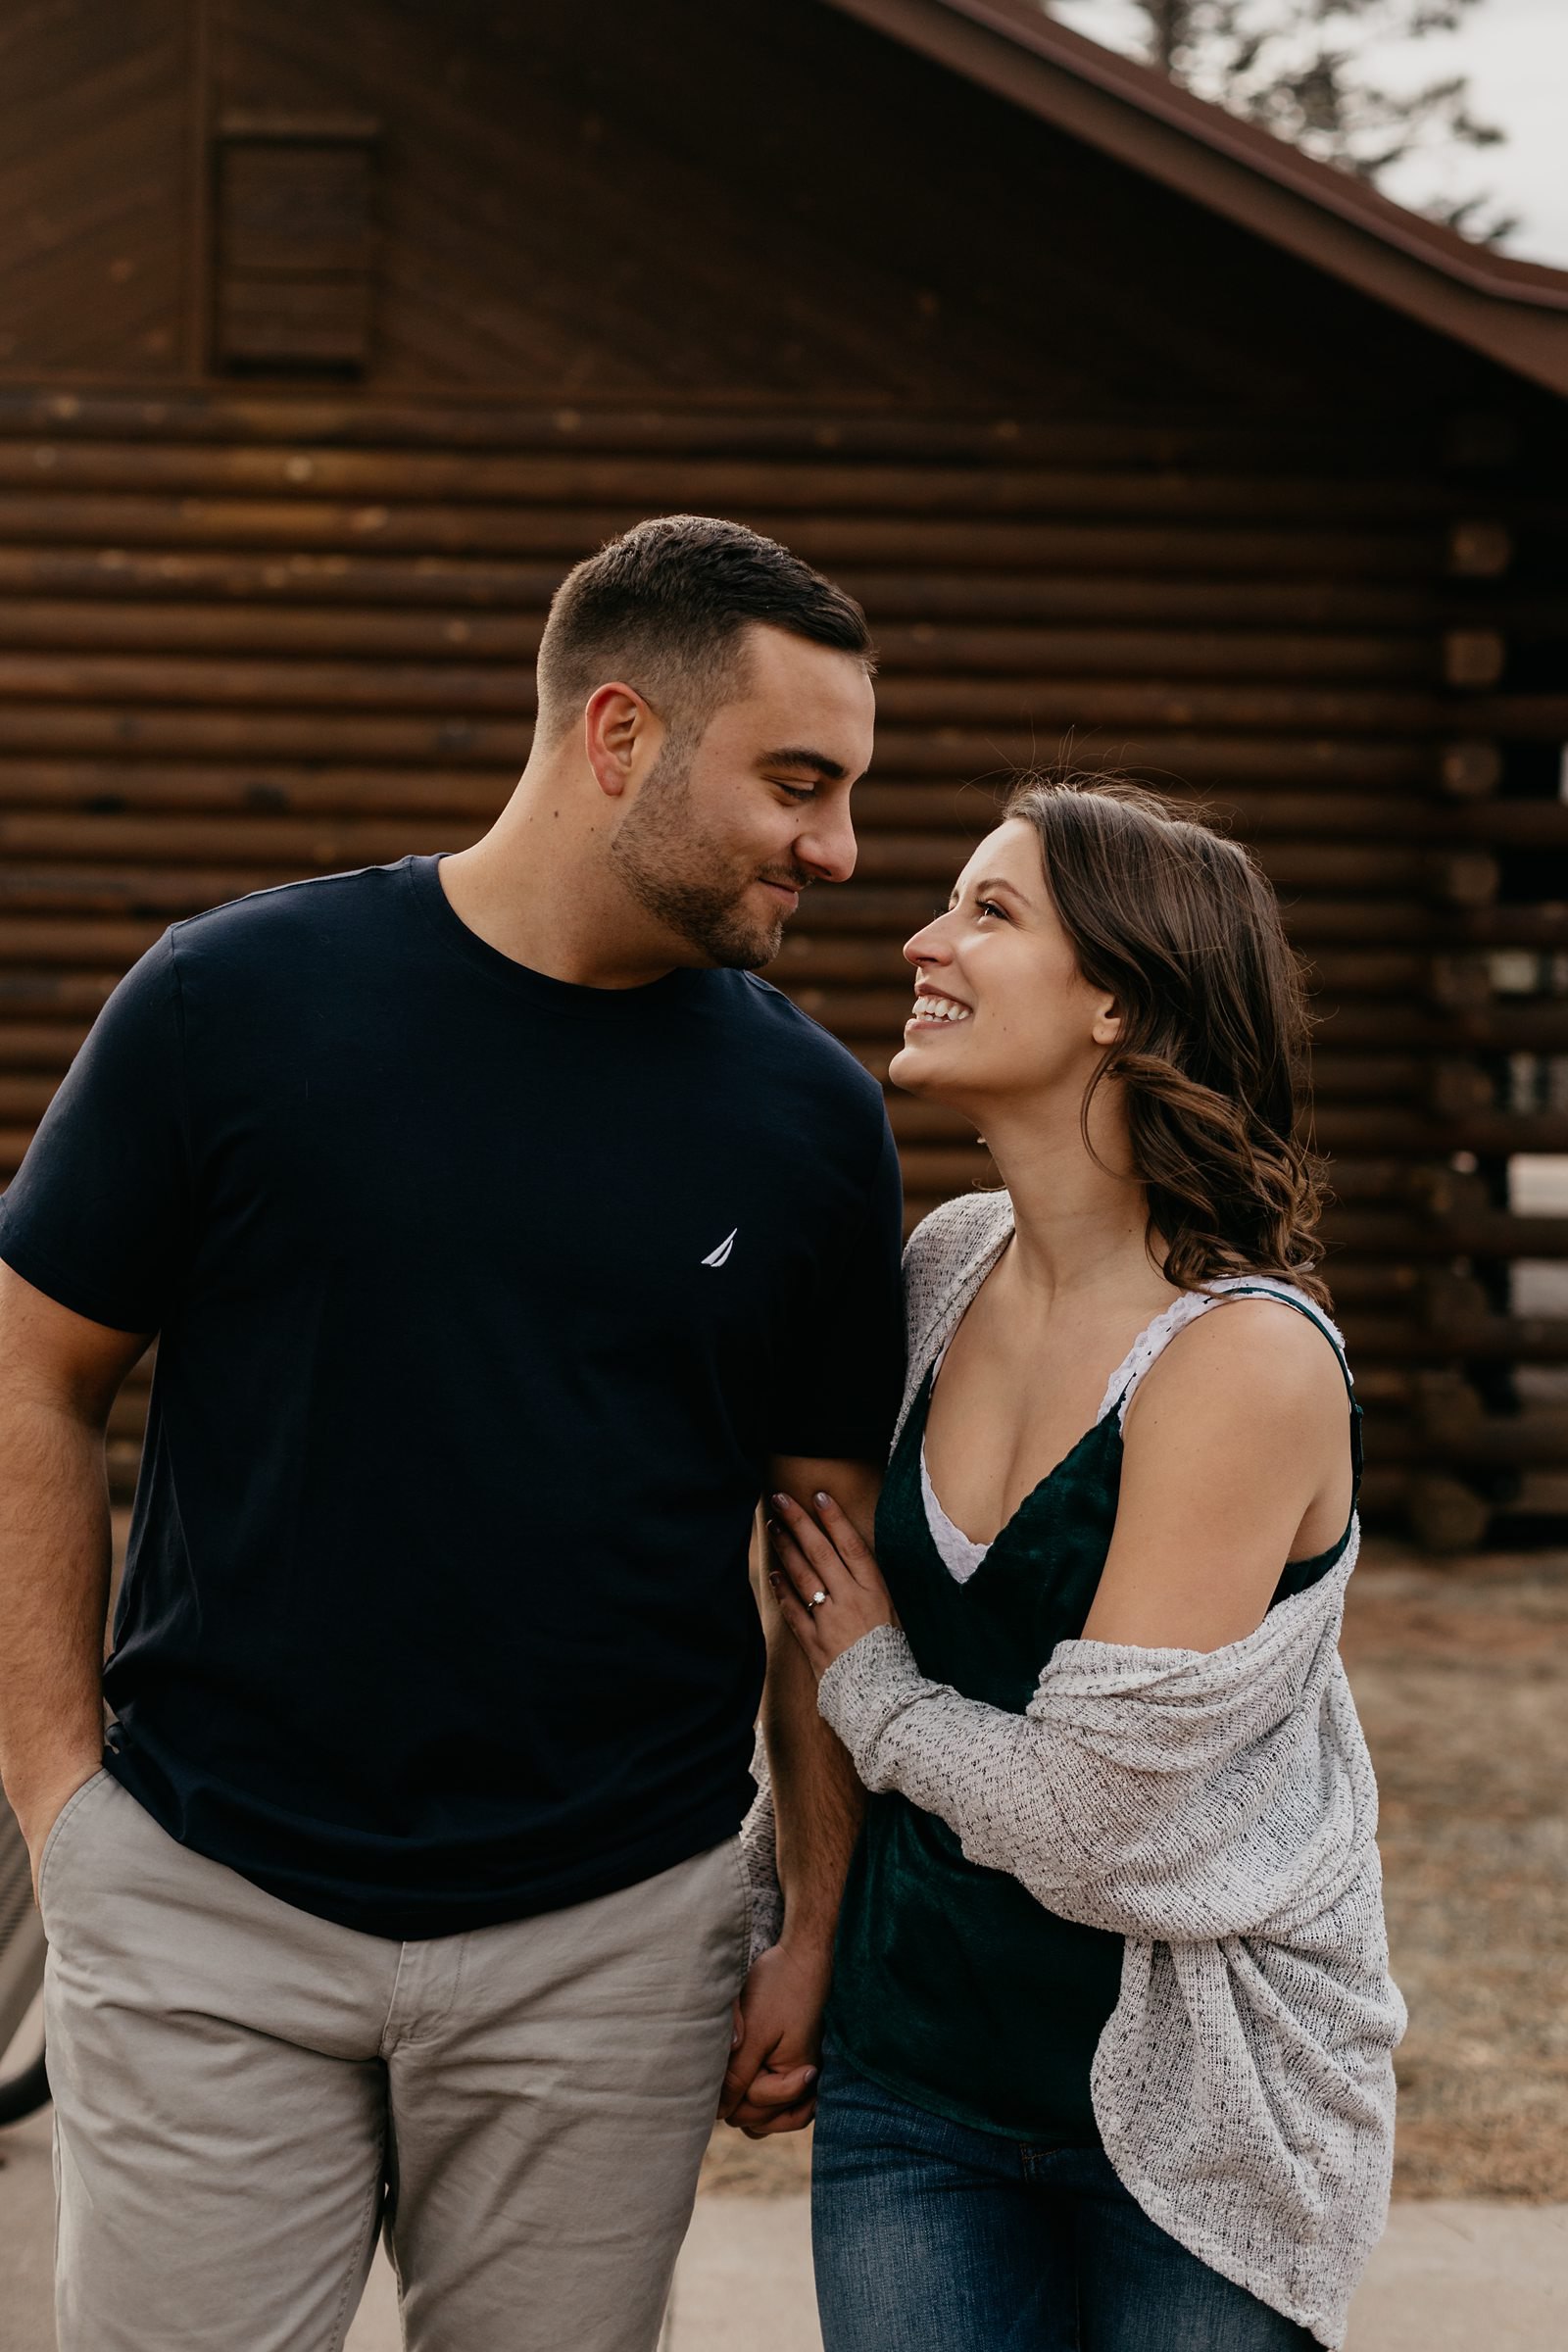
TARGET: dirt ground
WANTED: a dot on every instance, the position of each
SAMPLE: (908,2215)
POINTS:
(1461,1675)
(1460,1670)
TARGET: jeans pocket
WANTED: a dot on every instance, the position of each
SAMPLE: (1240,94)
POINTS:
(67,1812)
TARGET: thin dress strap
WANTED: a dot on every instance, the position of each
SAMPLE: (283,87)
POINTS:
(1151,1344)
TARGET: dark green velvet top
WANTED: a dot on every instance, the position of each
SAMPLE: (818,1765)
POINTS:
(953,1987)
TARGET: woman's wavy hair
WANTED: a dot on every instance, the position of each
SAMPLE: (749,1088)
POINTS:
(1180,926)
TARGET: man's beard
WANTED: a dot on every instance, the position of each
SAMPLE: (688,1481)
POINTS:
(690,881)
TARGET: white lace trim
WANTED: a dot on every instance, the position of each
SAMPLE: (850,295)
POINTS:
(960,1556)
(1152,1342)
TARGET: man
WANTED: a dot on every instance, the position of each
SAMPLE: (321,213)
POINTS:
(506,1239)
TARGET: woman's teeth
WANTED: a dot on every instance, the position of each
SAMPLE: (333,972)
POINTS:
(939,1008)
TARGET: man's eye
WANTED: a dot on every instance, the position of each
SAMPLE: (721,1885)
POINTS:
(800,793)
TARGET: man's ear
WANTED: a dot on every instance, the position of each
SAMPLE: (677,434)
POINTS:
(619,731)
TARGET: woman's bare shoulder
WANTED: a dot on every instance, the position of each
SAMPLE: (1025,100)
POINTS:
(1251,1360)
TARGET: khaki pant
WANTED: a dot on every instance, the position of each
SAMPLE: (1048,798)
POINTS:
(244,2095)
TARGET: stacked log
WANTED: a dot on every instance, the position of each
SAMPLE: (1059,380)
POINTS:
(246,640)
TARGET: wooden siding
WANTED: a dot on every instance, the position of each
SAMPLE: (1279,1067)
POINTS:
(1100,464)
(242,641)
(97,175)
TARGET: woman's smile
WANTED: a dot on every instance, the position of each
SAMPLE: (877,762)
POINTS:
(933,1009)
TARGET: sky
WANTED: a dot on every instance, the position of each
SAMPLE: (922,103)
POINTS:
(1515,53)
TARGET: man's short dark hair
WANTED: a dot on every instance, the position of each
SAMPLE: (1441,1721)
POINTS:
(664,608)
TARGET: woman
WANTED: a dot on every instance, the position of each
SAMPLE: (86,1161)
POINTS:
(1109,2048)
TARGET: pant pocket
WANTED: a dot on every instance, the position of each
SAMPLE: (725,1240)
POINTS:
(65,1815)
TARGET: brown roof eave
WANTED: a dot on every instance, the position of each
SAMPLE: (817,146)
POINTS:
(1516,313)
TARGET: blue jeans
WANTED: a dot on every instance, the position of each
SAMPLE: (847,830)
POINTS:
(931,2237)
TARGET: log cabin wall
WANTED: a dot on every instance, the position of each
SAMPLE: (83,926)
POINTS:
(427,303)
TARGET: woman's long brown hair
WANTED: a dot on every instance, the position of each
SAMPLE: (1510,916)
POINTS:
(1179,925)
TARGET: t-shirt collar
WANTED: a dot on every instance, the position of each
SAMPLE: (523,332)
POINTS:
(673,988)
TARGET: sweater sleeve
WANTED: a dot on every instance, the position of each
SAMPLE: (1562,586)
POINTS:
(1170,1795)
(759,1857)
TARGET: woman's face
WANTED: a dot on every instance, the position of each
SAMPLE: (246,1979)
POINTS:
(1001,1008)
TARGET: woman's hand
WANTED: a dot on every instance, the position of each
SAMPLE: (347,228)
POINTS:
(827,1583)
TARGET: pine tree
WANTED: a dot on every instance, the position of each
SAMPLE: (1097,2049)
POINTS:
(1295,67)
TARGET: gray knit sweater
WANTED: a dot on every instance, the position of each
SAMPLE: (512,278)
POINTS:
(1218,1810)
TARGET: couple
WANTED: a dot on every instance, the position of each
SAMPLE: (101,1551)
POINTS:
(506,1241)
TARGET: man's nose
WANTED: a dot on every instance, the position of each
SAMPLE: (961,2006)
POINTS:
(828,846)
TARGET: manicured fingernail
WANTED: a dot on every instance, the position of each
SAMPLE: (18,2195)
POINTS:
(811,2075)
(822,1498)
(781,1503)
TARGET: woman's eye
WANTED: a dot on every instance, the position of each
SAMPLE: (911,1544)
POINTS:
(990,907)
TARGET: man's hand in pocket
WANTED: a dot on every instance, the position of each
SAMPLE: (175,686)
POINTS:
(38,1807)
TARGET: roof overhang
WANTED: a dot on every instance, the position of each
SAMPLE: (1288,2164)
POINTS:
(1516,313)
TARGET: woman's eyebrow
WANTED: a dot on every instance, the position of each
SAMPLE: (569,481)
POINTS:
(996,882)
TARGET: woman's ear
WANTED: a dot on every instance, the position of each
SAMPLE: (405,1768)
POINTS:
(1107,1026)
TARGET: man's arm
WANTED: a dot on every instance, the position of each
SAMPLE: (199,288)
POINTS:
(819,1805)
(58,1378)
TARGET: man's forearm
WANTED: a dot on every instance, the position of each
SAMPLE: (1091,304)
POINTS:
(817,1801)
(818,1806)
(54,1592)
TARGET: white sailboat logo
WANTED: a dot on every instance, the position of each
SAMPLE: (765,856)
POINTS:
(719,1257)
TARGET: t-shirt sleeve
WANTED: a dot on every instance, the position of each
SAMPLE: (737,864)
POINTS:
(98,1215)
(841,1378)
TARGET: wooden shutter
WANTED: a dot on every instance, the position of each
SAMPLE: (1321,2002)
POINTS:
(295,244)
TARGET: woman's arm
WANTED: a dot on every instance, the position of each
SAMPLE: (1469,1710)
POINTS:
(1171,1795)
(1168,1794)
(1237,1431)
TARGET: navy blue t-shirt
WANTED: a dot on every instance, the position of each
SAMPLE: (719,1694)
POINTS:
(484,1299)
